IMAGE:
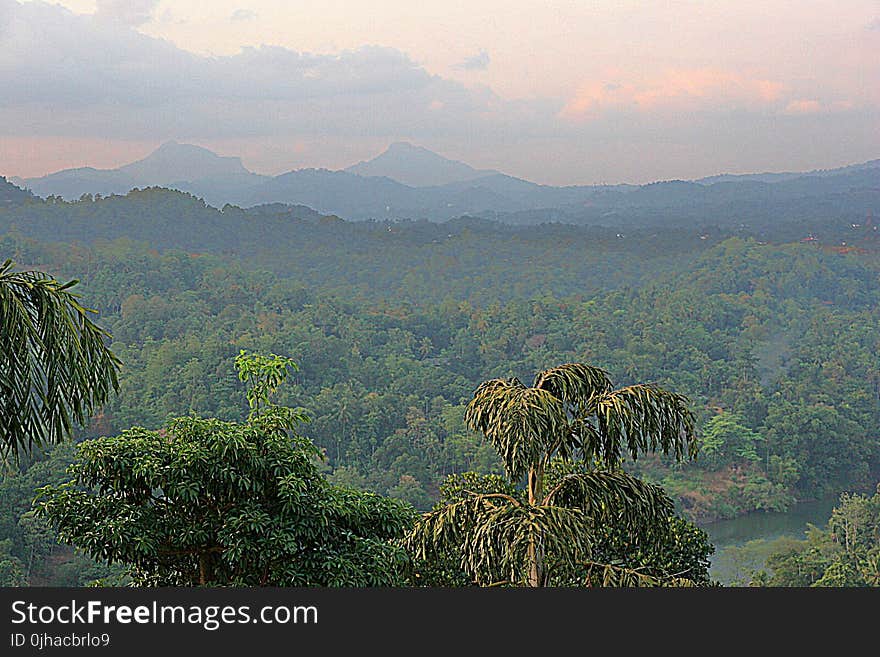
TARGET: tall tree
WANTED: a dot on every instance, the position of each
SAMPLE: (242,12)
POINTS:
(55,365)
(573,425)
(205,502)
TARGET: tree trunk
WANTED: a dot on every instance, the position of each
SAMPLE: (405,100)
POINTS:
(536,548)
(204,568)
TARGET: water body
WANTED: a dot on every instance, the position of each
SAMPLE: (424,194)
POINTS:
(742,544)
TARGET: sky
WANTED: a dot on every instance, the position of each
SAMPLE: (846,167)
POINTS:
(557,92)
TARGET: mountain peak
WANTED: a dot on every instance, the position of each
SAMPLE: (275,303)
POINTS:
(416,166)
(407,147)
(173,162)
(172,147)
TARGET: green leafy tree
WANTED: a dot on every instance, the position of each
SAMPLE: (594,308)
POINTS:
(12,571)
(206,502)
(55,366)
(726,439)
(567,422)
(845,553)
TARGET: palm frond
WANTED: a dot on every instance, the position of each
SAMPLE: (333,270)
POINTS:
(500,545)
(491,534)
(639,418)
(449,528)
(55,366)
(573,383)
(607,497)
(521,423)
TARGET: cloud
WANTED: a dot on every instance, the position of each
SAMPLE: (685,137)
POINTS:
(81,78)
(813,106)
(53,56)
(243,15)
(81,74)
(128,12)
(478,62)
(802,106)
(678,90)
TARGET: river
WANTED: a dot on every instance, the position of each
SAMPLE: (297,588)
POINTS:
(742,544)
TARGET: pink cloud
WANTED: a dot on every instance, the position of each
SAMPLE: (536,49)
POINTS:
(676,90)
(592,98)
(803,106)
(812,106)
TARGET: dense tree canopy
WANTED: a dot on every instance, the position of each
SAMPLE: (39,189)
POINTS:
(395,323)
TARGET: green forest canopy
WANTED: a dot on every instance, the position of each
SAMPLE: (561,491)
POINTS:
(772,338)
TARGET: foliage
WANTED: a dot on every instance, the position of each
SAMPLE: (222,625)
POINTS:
(12,570)
(554,433)
(677,555)
(845,553)
(396,323)
(727,439)
(55,366)
(28,542)
(207,502)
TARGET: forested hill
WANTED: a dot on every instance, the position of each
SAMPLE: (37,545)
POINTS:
(776,345)
(410,183)
(768,325)
(11,195)
(394,325)
(386,258)
(416,262)
(789,175)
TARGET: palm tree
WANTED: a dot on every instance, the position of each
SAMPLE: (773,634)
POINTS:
(55,366)
(572,424)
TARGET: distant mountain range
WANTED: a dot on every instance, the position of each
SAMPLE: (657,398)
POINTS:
(411,182)
(788,175)
(172,165)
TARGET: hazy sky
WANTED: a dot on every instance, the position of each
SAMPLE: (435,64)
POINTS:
(557,92)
